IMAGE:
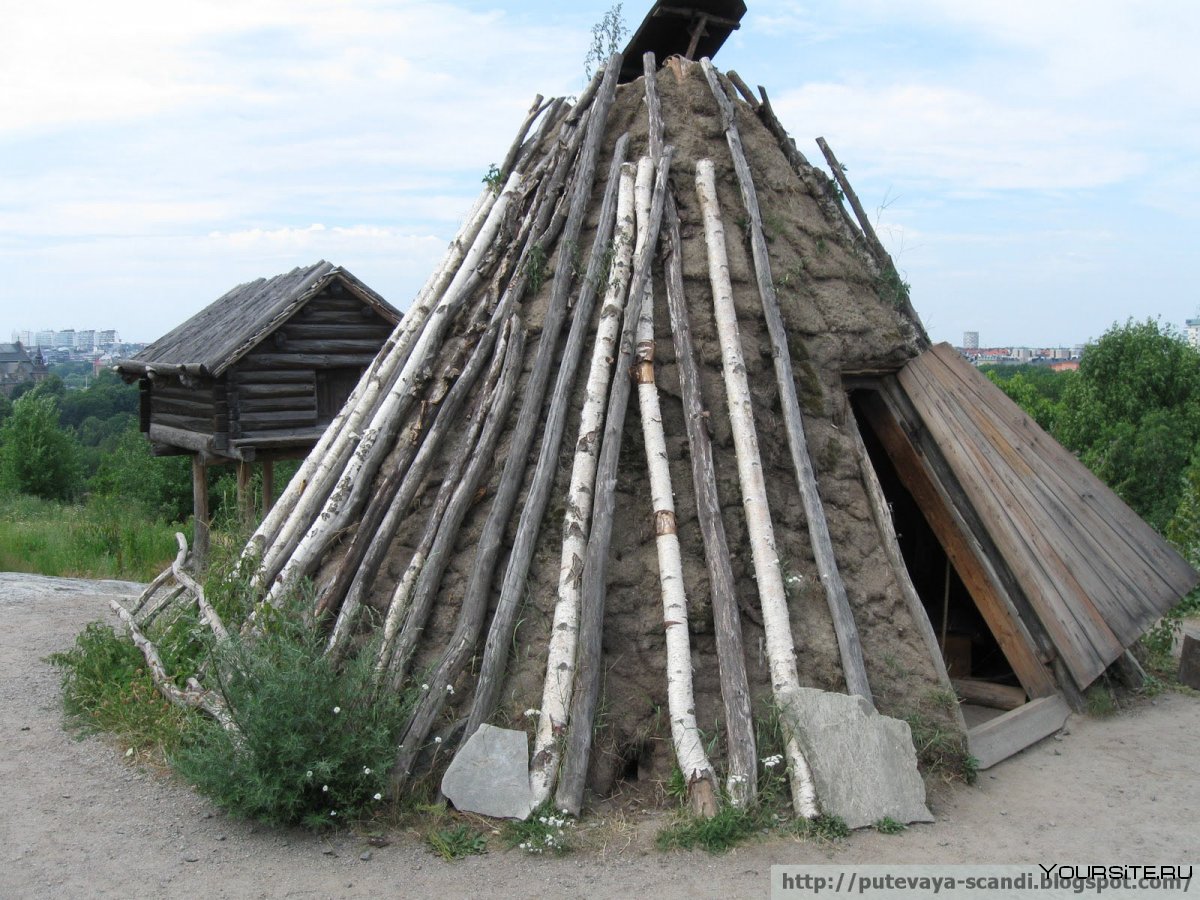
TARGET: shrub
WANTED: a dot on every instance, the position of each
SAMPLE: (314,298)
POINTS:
(106,688)
(36,456)
(315,745)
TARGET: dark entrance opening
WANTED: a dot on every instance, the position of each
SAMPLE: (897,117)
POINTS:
(968,646)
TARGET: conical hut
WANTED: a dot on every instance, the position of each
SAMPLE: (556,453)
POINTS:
(662,441)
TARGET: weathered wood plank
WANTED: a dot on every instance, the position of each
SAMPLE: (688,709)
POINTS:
(180,437)
(324,345)
(1082,639)
(287,419)
(966,556)
(251,376)
(179,406)
(305,403)
(282,437)
(187,423)
(1115,586)
(309,331)
(986,693)
(276,391)
(279,360)
(1118,528)
(999,738)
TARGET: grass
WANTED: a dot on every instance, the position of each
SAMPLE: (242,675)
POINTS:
(544,831)
(888,825)
(107,688)
(457,842)
(102,538)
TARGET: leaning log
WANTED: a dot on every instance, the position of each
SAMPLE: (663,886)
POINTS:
(742,778)
(853,666)
(781,648)
(595,564)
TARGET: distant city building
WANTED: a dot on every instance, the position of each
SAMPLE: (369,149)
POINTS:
(44,339)
(65,338)
(85,340)
(106,338)
(970,340)
(1193,333)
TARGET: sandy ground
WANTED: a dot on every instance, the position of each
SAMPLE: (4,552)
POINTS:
(82,821)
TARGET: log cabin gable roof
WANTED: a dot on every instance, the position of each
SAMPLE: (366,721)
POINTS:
(217,337)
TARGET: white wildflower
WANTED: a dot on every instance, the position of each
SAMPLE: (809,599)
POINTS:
(449,689)
(531,713)
(379,796)
(437,740)
(336,710)
(325,788)
(366,770)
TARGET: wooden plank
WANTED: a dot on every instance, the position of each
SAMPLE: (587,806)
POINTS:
(324,345)
(309,331)
(286,419)
(249,376)
(1001,737)
(280,360)
(966,556)
(186,423)
(1081,636)
(179,437)
(282,437)
(292,389)
(882,515)
(251,405)
(1098,507)
(1105,582)
(987,693)
(179,407)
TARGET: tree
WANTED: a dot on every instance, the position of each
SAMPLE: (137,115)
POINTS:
(1133,414)
(36,456)
(607,37)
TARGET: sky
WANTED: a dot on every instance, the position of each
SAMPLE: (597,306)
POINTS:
(1033,167)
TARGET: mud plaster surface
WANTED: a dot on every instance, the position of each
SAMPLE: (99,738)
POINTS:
(836,321)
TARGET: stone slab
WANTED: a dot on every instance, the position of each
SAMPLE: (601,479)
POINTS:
(490,774)
(863,764)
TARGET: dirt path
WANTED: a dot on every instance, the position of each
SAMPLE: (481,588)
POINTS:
(82,822)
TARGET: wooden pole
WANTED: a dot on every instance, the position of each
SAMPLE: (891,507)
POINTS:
(199,510)
(742,777)
(473,607)
(577,751)
(268,486)
(781,648)
(245,492)
(512,590)
(681,704)
(853,666)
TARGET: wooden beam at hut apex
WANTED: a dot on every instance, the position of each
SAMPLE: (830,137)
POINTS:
(697,25)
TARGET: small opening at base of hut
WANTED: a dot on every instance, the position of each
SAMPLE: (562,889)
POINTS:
(968,646)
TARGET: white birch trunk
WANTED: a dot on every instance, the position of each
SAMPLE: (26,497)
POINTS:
(365,459)
(360,405)
(781,649)
(560,660)
(685,735)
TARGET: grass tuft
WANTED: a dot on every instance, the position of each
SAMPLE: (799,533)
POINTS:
(457,842)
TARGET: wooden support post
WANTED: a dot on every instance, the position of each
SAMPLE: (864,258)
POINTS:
(199,510)
(268,485)
(245,491)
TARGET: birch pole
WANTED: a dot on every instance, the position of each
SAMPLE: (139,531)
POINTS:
(595,564)
(781,649)
(398,605)
(853,667)
(741,758)
(360,405)
(685,734)
(364,461)
(512,589)
(473,607)
(560,659)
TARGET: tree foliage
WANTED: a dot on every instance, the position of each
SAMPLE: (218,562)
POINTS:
(1133,414)
(608,37)
(36,456)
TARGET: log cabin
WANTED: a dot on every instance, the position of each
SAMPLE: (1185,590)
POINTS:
(258,374)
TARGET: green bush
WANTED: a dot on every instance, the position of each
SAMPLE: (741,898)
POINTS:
(727,829)
(315,743)
(36,456)
(106,688)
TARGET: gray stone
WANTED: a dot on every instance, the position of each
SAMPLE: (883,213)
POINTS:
(863,764)
(490,774)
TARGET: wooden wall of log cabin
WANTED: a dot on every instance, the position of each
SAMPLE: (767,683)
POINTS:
(186,407)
